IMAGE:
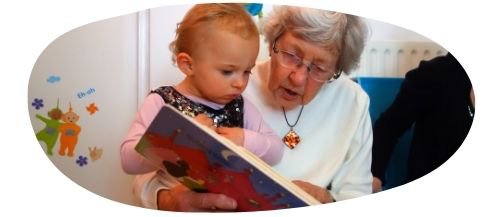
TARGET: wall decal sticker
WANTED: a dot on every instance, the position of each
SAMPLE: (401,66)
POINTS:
(37,103)
(86,93)
(95,153)
(69,133)
(82,161)
(92,108)
(53,79)
(50,133)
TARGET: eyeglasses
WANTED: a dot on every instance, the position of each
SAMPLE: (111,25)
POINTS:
(293,61)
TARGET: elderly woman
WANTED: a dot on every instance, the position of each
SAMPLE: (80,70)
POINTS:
(304,93)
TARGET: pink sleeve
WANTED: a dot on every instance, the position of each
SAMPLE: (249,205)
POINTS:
(132,162)
(259,138)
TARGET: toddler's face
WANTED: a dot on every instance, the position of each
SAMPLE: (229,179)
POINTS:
(222,65)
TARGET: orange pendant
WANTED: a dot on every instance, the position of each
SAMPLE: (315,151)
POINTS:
(291,139)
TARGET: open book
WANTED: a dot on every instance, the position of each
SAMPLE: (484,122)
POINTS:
(206,162)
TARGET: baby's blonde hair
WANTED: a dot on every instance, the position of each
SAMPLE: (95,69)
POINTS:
(203,17)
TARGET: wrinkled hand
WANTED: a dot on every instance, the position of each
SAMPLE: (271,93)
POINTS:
(377,185)
(182,199)
(235,134)
(317,192)
(204,120)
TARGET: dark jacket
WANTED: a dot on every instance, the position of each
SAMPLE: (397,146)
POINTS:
(435,97)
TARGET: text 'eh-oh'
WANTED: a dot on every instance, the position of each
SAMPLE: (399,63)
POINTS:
(86,93)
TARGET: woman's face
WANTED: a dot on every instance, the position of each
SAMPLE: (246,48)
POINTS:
(293,86)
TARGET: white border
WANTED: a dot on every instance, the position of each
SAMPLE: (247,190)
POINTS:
(464,186)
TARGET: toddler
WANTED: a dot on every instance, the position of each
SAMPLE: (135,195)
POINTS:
(216,46)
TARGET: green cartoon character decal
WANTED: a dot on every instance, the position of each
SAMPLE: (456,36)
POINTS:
(50,133)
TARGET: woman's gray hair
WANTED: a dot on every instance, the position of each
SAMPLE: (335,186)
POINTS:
(323,28)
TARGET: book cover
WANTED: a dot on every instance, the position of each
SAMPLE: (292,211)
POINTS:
(206,162)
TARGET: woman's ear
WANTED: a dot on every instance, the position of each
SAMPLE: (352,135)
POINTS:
(184,62)
(270,49)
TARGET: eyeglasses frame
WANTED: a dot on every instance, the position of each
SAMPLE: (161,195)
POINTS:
(309,67)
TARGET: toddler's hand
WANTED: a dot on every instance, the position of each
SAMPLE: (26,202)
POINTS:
(204,120)
(235,134)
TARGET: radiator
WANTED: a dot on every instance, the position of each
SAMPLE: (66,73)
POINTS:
(394,58)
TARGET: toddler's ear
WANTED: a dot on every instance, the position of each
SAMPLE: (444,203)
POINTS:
(184,62)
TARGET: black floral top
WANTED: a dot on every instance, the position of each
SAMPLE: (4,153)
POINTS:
(231,115)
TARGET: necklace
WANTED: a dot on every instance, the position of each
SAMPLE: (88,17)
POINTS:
(291,139)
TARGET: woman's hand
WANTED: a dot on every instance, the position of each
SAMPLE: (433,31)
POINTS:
(317,192)
(377,185)
(182,199)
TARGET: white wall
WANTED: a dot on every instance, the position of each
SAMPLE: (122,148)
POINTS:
(163,22)
(103,56)
(381,31)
